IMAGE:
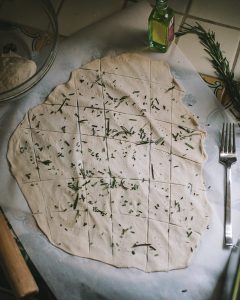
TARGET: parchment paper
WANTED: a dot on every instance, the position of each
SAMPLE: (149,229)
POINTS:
(72,277)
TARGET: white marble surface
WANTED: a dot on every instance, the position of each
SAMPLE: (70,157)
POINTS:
(72,277)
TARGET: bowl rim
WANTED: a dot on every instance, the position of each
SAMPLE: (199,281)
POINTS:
(20,90)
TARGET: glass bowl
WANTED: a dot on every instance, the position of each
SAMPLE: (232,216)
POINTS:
(29,29)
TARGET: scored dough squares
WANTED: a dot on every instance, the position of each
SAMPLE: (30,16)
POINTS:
(58,154)
(63,94)
(92,121)
(95,160)
(184,243)
(98,195)
(127,64)
(127,127)
(160,102)
(160,165)
(126,95)
(100,237)
(129,197)
(34,193)
(159,201)
(157,257)
(128,232)
(186,172)
(68,226)
(180,114)
(188,143)
(128,160)
(200,211)
(180,203)
(22,157)
(161,74)
(54,118)
(89,87)
(189,207)
(64,195)
(161,135)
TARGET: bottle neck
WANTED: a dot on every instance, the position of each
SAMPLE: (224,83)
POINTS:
(162,4)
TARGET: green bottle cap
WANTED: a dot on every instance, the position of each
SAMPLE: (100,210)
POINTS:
(162,3)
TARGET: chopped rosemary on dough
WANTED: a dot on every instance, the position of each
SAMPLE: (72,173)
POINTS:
(61,106)
(190,146)
(45,162)
(144,245)
(169,89)
(121,184)
(159,141)
(95,209)
(121,100)
(76,201)
(152,170)
(185,129)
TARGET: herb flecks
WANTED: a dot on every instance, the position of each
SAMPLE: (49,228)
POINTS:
(76,201)
(121,100)
(144,245)
(185,129)
(170,89)
(188,145)
(175,136)
(22,149)
(152,171)
(124,131)
(122,184)
(155,104)
(95,209)
(160,141)
(45,162)
(61,106)
(28,175)
(74,185)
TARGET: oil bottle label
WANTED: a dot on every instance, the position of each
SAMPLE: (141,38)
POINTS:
(158,33)
(171,30)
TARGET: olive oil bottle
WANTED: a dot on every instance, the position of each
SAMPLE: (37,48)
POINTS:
(161,26)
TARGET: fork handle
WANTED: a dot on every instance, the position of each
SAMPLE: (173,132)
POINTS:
(228,221)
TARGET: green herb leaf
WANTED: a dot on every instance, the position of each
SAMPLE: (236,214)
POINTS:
(190,146)
(217,59)
(76,201)
(45,162)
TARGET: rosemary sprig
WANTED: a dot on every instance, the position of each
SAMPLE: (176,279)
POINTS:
(217,59)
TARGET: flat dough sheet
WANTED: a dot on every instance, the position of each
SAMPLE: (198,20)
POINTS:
(111,165)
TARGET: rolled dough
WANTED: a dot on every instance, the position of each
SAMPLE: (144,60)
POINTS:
(111,165)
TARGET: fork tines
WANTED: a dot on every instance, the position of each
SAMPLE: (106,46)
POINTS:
(228,138)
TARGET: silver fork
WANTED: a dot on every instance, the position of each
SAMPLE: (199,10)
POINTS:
(227,156)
